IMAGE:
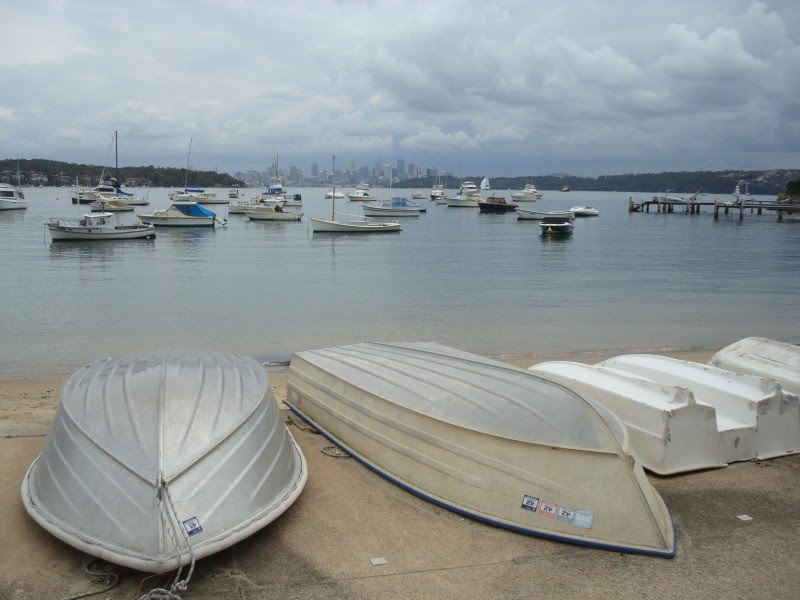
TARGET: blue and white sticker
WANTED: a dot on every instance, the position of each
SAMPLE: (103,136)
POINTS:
(565,514)
(530,503)
(192,526)
(583,518)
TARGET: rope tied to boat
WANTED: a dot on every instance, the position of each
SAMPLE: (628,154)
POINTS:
(111,576)
(178,584)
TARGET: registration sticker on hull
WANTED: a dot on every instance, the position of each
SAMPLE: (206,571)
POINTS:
(583,518)
(548,509)
(192,526)
(530,503)
(565,514)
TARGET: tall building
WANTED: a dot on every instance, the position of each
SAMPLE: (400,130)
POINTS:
(401,168)
(314,169)
(412,171)
(352,166)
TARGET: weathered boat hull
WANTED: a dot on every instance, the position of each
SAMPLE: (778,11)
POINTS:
(455,429)
(162,457)
(765,358)
(327,226)
(67,233)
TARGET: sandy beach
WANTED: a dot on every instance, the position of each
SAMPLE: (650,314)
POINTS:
(322,546)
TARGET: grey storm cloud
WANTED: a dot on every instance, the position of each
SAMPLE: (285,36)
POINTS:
(503,88)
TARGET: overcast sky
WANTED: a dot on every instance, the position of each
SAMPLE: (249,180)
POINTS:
(506,88)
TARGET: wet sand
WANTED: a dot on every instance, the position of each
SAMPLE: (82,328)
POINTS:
(321,547)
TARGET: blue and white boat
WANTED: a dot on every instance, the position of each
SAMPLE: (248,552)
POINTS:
(182,214)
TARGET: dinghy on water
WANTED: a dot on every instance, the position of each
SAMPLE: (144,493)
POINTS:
(484,439)
(161,458)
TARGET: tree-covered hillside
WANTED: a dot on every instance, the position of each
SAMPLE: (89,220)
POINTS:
(51,172)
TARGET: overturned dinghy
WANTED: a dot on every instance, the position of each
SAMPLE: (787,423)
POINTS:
(163,457)
(765,358)
(484,439)
(755,418)
(670,431)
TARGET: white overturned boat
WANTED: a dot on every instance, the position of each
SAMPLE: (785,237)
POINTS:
(97,226)
(755,419)
(484,439)
(765,358)
(160,458)
(669,429)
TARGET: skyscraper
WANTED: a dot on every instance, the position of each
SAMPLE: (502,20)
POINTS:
(401,168)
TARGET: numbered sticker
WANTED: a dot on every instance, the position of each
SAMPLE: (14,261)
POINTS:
(530,503)
(192,526)
(565,514)
(548,509)
(583,518)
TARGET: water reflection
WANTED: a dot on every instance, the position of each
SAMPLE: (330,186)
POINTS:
(95,250)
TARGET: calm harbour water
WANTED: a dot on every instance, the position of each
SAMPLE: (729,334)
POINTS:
(484,283)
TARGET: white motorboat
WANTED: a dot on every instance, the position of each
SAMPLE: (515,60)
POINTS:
(484,439)
(527,194)
(565,188)
(334,195)
(396,207)
(12,198)
(233,193)
(159,459)
(97,226)
(468,188)
(265,212)
(110,206)
(182,214)
(437,192)
(538,215)
(584,211)
(765,358)
(556,225)
(462,201)
(290,199)
(349,223)
(361,193)
(418,195)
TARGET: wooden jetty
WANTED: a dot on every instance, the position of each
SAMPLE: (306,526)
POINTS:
(692,205)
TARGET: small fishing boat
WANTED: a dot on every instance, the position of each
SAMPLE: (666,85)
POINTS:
(182,214)
(418,195)
(584,211)
(556,225)
(97,226)
(158,459)
(565,188)
(266,212)
(538,215)
(496,204)
(233,193)
(396,207)
(484,439)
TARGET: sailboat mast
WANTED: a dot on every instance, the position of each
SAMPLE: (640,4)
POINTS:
(333,196)
(116,157)
(188,158)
